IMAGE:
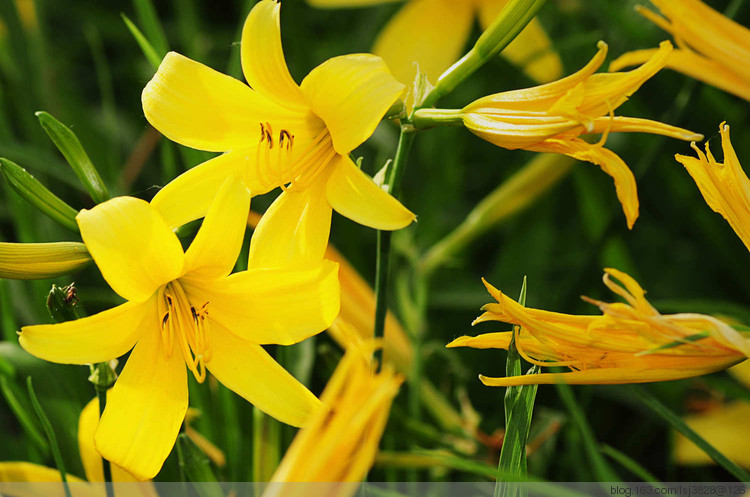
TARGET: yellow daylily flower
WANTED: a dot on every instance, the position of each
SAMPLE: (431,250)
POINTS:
(344,434)
(725,186)
(277,133)
(432,34)
(712,48)
(552,117)
(186,308)
(630,343)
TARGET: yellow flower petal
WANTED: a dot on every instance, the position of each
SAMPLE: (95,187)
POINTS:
(135,250)
(429,34)
(88,422)
(272,306)
(353,194)
(351,94)
(531,49)
(539,98)
(693,65)
(725,186)
(201,108)
(607,376)
(188,197)
(145,408)
(725,428)
(263,58)
(622,124)
(21,471)
(325,4)
(214,250)
(610,163)
(294,230)
(101,337)
(249,371)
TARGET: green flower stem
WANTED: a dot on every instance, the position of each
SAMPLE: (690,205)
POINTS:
(429,118)
(503,30)
(394,177)
(678,424)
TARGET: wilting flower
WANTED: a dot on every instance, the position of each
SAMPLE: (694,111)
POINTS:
(430,34)
(552,117)
(724,186)
(712,48)
(630,343)
(185,308)
(344,433)
(276,133)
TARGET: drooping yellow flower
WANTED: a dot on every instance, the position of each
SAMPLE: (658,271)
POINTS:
(344,434)
(630,343)
(185,308)
(552,117)
(431,34)
(276,133)
(712,48)
(724,186)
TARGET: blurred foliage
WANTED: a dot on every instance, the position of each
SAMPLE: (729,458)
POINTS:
(79,62)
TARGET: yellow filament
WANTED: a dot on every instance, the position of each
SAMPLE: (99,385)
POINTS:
(189,325)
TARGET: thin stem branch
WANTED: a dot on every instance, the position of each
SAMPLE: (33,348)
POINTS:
(394,177)
(101,394)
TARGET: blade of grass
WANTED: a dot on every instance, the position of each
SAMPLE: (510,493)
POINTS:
(23,417)
(602,470)
(152,27)
(50,435)
(628,463)
(148,50)
(678,424)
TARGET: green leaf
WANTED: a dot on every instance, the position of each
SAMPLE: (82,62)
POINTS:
(601,469)
(70,146)
(47,426)
(148,50)
(519,407)
(197,468)
(678,424)
(266,442)
(24,418)
(152,26)
(38,195)
(628,463)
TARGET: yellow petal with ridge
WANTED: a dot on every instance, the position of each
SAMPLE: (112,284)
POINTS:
(355,195)
(98,338)
(351,94)
(294,230)
(214,250)
(201,108)
(272,306)
(145,408)
(262,56)
(131,244)
(249,371)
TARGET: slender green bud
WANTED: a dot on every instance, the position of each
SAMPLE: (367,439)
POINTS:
(62,303)
(67,142)
(503,30)
(38,195)
(35,261)
(511,197)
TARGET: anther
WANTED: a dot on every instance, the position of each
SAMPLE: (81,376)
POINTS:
(262,133)
(164,320)
(269,135)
